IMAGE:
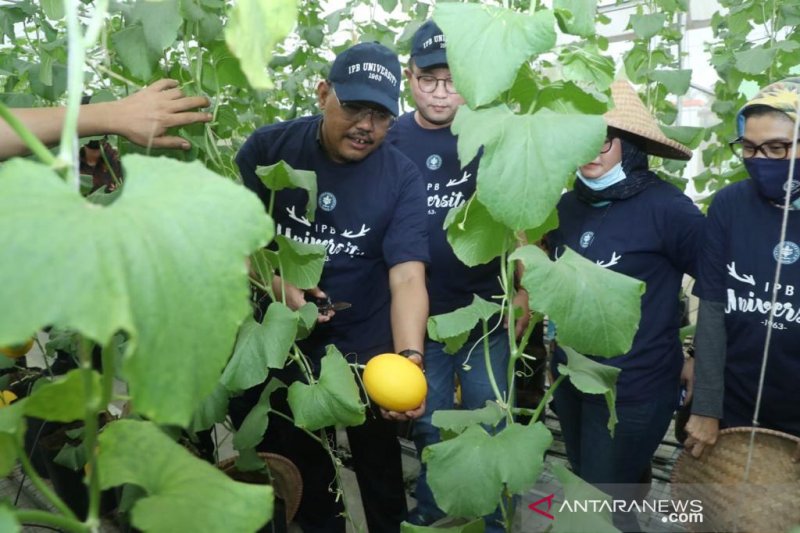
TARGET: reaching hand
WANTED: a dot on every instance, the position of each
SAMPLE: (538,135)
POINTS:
(296,298)
(407,415)
(145,116)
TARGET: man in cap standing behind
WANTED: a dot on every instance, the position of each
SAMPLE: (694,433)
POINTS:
(371,217)
(424,136)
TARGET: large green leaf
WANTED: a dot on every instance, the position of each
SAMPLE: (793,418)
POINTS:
(576,17)
(585,64)
(300,263)
(755,60)
(592,377)
(568,98)
(160,21)
(528,159)
(467,473)
(53,9)
(333,400)
(689,135)
(482,38)
(156,264)
(212,410)
(140,60)
(676,81)
(453,328)
(457,420)
(578,491)
(251,432)
(253,30)
(64,400)
(12,434)
(596,310)
(478,525)
(476,238)
(260,347)
(534,235)
(281,176)
(8,522)
(647,26)
(184,493)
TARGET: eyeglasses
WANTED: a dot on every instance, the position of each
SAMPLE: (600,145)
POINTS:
(744,149)
(606,146)
(428,84)
(357,112)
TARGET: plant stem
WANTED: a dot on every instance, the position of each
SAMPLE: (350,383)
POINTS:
(42,487)
(487,358)
(30,140)
(290,419)
(546,397)
(29,516)
(90,430)
(108,361)
(68,150)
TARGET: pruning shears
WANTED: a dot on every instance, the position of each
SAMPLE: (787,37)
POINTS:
(325,304)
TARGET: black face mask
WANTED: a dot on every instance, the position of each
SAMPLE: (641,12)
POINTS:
(771,177)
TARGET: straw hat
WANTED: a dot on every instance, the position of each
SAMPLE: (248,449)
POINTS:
(631,115)
(286,479)
(769,500)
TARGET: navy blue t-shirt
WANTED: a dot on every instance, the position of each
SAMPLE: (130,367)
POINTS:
(451,283)
(741,248)
(651,236)
(370,215)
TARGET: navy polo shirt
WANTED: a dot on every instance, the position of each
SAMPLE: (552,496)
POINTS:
(740,252)
(651,236)
(370,215)
(451,284)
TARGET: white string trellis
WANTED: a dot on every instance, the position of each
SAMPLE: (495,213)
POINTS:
(765,354)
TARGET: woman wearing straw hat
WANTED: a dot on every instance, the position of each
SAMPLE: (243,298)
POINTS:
(623,217)
(742,250)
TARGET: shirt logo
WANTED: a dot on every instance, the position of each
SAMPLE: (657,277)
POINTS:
(327,201)
(786,253)
(434,162)
(586,239)
(795,186)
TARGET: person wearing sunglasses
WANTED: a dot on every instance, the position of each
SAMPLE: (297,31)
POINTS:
(424,135)
(369,213)
(622,216)
(742,249)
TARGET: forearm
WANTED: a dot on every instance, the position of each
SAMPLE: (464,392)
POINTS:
(46,123)
(710,349)
(409,313)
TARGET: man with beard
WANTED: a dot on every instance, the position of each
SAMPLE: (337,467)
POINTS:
(370,216)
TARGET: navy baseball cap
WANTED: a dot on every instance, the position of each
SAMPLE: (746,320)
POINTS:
(428,46)
(367,72)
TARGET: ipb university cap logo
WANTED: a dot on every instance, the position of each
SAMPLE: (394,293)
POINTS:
(367,72)
(428,46)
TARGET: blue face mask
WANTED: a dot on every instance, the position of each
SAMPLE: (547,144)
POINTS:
(615,175)
(770,177)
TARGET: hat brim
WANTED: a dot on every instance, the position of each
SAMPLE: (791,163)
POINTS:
(437,57)
(359,92)
(630,115)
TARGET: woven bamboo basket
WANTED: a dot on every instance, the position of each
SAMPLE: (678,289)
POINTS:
(770,500)
(286,479)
